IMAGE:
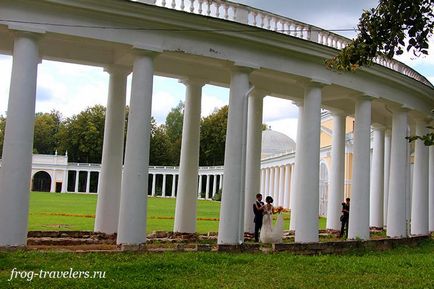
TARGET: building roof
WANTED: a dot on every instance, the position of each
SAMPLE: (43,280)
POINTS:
(274,142)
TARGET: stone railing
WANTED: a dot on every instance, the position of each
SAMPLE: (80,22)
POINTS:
(265,20)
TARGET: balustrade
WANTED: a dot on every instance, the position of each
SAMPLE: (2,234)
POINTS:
(266,20)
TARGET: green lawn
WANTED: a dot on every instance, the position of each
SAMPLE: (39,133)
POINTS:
(46,207)
(398,268)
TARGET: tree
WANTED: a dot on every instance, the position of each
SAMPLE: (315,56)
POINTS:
(386,30)
(160,147)
(173,129)
(82,135)
(45,140)
(213,138)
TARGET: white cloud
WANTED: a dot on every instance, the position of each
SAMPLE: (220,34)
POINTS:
(277,109)
(162,103)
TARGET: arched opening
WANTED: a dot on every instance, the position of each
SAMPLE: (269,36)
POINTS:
(41,182)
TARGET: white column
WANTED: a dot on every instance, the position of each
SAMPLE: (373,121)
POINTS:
(133,203)
(253,158)
(292,187)
(377,179)
(65,181)
(88,182)
(337,173)
(221,182)
(173,185)
(297,165)
(358,226)
(287,189)
(387,143)
(199,189)
(431,189)
(188,189)
(267,182)
(207,187)
(282,182)
(272,181)
(419,201)
(262,190)
(396,221)
(163,187)
(16,167)
(110,177)
(231,224)
(53,182)
(214,185)
(275,192)
(307,199)
(154,181)
(77,177)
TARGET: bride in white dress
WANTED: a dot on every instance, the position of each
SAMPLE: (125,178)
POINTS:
(270,234)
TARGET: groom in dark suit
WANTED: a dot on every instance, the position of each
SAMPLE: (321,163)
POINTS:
(258,208)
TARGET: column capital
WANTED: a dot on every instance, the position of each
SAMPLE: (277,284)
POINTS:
(313,82)
(337,112)
(145,51)
(243,67)
(194,81)
(397,108)
(378,126)
(118,69)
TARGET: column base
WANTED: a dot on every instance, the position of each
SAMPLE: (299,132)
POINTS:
(12,248)
(132,247)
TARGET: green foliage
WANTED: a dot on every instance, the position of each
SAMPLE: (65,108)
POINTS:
(213,138)
(174,122)
(218,196)
(385,30)
(47,126)
(161,147)
(82,135)
(428,139)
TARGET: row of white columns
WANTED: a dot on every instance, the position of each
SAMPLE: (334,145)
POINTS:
(277,182)
(122,198)
(380,190)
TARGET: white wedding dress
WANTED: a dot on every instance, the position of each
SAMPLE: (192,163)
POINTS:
(269,233)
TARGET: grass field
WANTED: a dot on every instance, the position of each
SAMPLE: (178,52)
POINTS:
(398,268)
(52,211)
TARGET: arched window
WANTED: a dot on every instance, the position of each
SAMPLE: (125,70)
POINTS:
(41,182)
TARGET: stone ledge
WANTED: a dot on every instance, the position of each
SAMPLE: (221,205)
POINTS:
(347,246)
(239,248)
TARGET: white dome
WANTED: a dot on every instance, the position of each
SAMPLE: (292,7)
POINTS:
(274,142)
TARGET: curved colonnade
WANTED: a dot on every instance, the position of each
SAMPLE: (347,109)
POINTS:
(252,52)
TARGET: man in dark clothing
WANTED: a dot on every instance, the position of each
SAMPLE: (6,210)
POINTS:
(345,217)
(258,208)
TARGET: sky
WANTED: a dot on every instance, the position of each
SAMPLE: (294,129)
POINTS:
(71,88)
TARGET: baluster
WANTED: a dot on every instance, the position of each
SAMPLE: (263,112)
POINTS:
(192,6)
(182,5)
(208,12)
(226,8)
(173,5)
(217,13)
(200,6)
(276,24)
(163,3)
(254,13)
(262,20)
(296,30)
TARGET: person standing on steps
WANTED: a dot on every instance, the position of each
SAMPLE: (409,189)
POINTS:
(345,217)
(258,209)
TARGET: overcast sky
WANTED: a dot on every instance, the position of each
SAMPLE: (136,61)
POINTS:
(71,88)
